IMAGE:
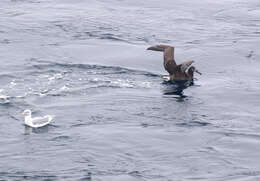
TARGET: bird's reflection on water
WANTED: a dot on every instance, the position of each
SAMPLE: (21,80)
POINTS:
(29,130)
(176,88)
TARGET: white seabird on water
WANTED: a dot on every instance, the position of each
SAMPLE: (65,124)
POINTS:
(36,122)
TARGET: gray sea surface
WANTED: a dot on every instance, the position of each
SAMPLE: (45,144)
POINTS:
(86,63)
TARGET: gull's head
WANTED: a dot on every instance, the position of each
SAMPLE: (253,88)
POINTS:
(27,112)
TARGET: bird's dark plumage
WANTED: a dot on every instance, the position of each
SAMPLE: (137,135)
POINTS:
(176,72)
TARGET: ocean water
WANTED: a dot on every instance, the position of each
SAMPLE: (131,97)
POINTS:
(86,63)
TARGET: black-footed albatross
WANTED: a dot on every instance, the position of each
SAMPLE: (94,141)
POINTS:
(176,72)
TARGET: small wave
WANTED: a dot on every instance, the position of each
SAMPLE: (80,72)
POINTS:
(112,69)
(193,124)
(108,36)
(6,104)
(3,98)
(56,76)
(5,41)
(62,79)
(7,76)
(20,175)
(58,138)
(79,125)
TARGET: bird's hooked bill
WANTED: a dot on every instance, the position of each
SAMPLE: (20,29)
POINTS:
(198,72)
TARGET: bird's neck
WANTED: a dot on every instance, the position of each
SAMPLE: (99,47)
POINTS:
(190,73)
(28,119)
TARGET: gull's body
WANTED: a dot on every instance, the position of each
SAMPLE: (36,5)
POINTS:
(182,71)
(36,122)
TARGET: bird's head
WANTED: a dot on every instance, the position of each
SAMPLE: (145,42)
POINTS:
(27,112)
(192,69)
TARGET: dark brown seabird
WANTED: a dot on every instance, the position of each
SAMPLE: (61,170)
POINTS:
(176,72)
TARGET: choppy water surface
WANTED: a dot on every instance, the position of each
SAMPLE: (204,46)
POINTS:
(115,119)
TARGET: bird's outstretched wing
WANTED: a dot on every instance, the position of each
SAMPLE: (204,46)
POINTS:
(168,56)
(185,65)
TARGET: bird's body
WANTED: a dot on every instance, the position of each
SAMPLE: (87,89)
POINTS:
(183,71)
(36,122)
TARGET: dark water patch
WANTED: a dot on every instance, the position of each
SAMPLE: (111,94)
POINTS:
(108,36)
(94,120)
(82,36)
(148,125)
(100,119)
(61,138)
(56,93)
(6,104)
(249,173)
(14,117)
(209,149)
(194,42)
(106,32)
(177,96)
(242,135)
(5,41)
(175,87)
(63,27)
(7,77)
(28,176)
(181,119)
(43,130)
(100,87)
(193,124)
(136,173)
(244,175)
(80,125)
(40,71)
(145,125)
(250,54)
(87,177)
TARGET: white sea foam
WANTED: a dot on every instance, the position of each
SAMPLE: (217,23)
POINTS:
(2,96)
(55,76)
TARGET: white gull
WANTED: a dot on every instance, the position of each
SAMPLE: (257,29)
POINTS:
(36,122)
